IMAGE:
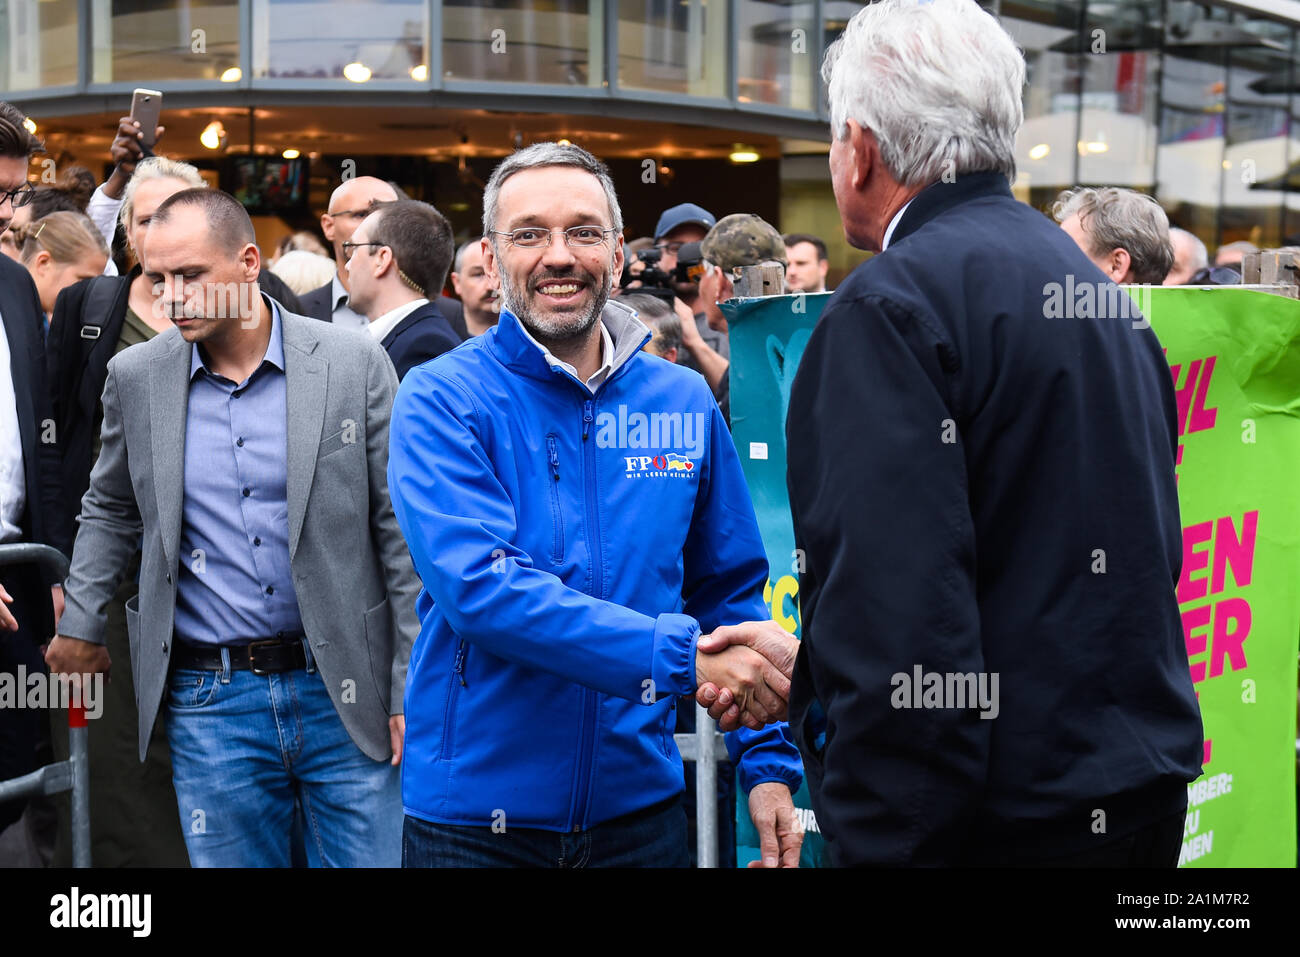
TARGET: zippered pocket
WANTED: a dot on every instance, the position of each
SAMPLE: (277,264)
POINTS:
(557,516)
(457,682)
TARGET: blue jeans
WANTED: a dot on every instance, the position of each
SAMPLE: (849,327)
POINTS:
(655,837)
(244,746)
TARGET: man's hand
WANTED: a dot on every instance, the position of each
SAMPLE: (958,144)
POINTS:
(780,835)
(767,638)
(125,152)
(72,656)
(7,620)
(690,331)
(396,736)
(56,597)
(758,688)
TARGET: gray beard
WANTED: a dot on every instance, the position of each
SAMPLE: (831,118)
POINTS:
(549,331)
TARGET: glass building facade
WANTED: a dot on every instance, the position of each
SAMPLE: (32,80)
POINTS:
(1191,102)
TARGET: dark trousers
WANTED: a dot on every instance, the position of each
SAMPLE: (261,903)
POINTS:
(655,837)
(1152,845)
(24,740)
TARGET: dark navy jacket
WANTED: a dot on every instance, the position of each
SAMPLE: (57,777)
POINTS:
(419,337)
(980,488)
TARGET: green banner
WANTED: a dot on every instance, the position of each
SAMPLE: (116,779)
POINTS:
(1234,355)
(767,338)
(1235,359)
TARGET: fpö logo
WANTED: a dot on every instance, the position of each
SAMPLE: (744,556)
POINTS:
(666,465)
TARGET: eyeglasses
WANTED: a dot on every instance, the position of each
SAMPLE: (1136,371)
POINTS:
(673,248)
(349,246)
(354,213)
(19,196)
(533,237)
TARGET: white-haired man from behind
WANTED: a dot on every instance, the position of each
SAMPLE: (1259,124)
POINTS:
(969,688)
(1190,257)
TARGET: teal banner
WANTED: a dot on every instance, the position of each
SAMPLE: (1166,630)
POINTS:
(768,337)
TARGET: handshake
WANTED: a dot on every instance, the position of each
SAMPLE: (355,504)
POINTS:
(743,672)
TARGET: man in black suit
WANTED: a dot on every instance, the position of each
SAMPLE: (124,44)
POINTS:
(397,256)
(992,669)
(350,203)
(29,474)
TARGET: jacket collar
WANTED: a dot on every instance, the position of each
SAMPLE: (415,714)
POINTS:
(517,352)
(938,198)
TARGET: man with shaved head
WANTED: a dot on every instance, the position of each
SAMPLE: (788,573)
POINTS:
(258,442)
(349,205)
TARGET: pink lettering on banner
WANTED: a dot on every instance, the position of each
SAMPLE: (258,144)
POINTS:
(1231,626)
(1189,588)
(1192,620)
(1235,550)
(1193,416)
(1218,627)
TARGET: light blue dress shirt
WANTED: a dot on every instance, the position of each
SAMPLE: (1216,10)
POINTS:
(235,583)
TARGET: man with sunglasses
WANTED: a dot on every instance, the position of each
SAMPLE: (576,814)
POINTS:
(576,510)
(30,487)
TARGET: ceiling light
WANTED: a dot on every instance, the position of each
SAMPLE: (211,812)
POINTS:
(291,154)
(30,125)
(357,72)
(419,73)
(232,75)
(213,135)
(744,154)
(1039,152)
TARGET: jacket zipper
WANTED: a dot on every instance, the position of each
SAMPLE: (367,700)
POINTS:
(457,672)
(588,728)
(557,516)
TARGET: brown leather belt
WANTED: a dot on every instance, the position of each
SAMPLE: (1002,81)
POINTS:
(269,656)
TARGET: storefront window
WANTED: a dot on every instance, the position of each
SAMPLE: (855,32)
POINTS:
(147,42)
(356,40)
(775,49)
(673,46)
(38,44)
(524,41)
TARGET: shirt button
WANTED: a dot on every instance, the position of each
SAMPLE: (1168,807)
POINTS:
(256,541)
(240,441)
(247,492)
(270,589)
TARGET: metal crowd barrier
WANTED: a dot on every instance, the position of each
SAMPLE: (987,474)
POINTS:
(73,774)
(708,742)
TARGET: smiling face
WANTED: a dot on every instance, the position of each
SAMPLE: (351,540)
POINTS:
(559,291)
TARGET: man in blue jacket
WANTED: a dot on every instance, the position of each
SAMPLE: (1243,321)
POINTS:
(992,668)
(577,513)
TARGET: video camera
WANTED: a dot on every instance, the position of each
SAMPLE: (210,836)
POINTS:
(656,281)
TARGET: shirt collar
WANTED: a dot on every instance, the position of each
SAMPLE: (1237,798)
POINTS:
(893,224)
(274,348)
(337,293)
(606,356)
(386,323)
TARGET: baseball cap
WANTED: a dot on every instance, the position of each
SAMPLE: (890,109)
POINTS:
(681,215)
(742,239)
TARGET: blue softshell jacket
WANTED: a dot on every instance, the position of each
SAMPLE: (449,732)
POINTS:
(572,549)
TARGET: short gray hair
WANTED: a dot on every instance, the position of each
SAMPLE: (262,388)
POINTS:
(1200,255)
(938,84)
(1113,218)
(459,262)
(547,154)
(658,315)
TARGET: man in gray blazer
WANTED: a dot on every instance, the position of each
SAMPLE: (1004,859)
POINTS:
(247,449)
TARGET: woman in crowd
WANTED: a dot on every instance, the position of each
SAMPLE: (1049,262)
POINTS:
(59,250)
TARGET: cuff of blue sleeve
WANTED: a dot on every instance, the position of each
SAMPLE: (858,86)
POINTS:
(672,663)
